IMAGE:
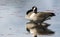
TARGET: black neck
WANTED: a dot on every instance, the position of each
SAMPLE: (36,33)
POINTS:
(29,11)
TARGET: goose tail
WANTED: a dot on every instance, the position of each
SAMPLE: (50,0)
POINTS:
(52,14)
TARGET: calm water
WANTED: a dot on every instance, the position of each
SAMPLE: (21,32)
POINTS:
(12,20)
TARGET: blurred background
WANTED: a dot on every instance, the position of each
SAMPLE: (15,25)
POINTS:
(12,16)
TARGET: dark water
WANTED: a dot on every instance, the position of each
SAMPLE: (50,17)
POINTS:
(12,16)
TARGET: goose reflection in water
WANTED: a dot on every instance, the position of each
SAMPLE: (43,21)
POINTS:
(36,29)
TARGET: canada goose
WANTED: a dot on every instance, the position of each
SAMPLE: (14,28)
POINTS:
(38,17)
(35,29)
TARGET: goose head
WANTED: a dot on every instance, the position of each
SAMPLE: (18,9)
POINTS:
(33,10)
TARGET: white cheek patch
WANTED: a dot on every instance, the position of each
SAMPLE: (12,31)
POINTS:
(32,15)
(34,9)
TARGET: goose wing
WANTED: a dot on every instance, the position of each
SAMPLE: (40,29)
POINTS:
(42,16)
